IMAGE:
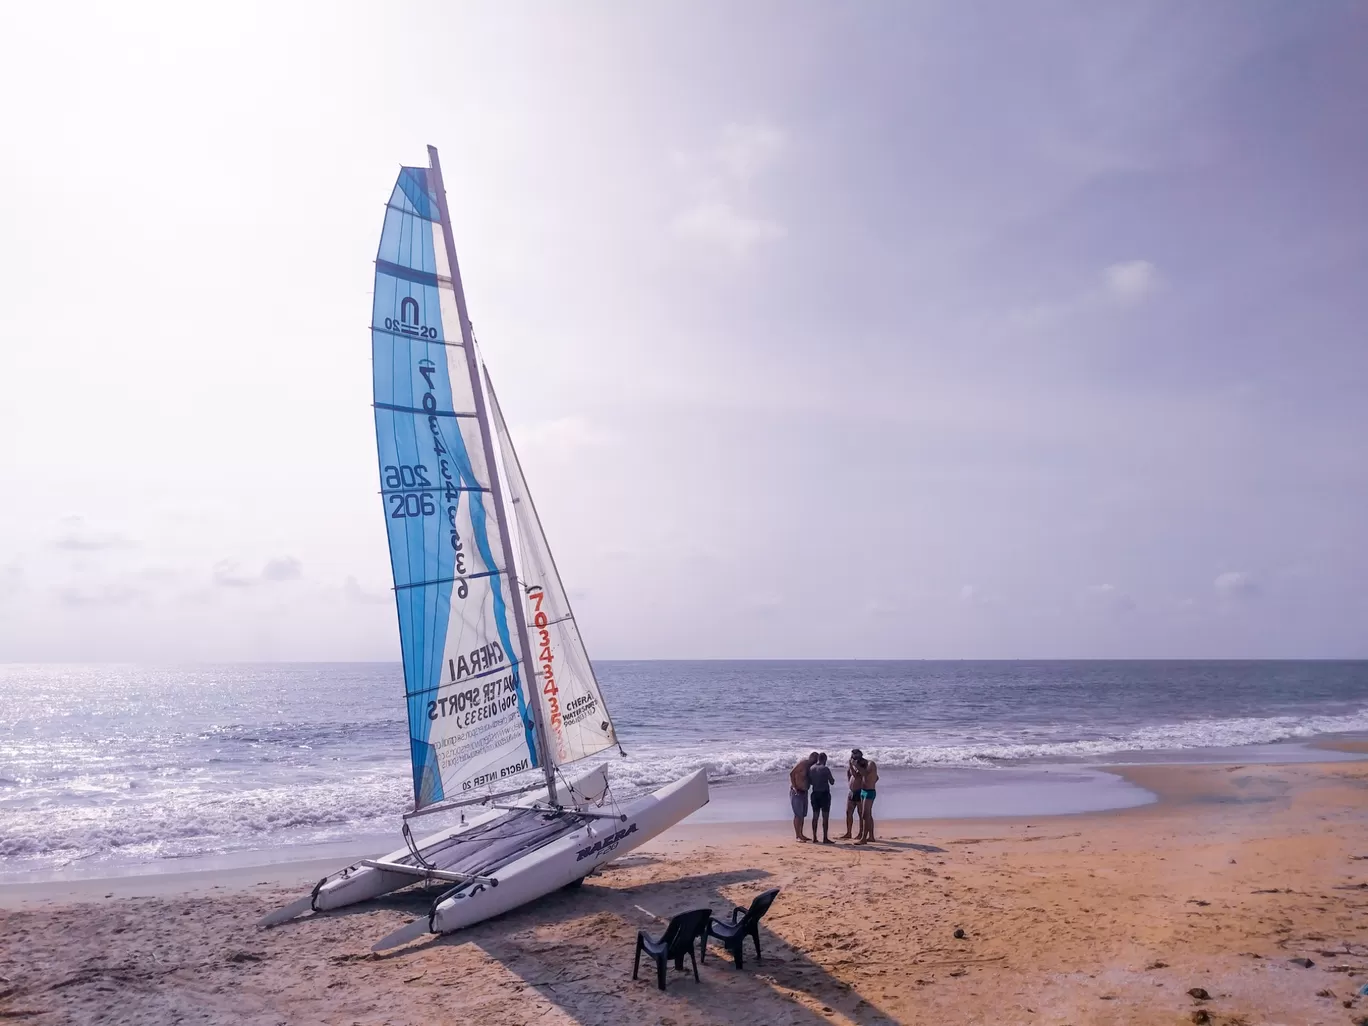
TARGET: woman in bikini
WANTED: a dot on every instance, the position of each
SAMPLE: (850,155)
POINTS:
(853,799)
(867,773)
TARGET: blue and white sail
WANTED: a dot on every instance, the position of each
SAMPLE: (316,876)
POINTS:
(470,724)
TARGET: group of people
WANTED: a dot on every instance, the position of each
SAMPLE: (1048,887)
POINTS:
(813,774)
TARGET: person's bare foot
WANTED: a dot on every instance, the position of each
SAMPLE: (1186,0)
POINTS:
(844,837)
(827,840)
(861,841)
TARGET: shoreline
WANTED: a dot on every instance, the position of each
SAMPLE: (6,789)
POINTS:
(1163,785)
(911,796)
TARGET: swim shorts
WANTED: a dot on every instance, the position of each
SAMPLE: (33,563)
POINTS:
(821,801)
(798,799)
(867,794)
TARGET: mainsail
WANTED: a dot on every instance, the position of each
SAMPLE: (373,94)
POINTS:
(462,635)
(573,711)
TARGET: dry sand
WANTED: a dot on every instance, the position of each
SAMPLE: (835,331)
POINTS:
(1106,918)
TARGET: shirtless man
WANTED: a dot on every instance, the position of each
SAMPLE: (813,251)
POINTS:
(853,799)
(798,793)
(869,776)
(821,779)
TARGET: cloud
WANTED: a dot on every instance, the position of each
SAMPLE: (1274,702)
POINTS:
(746,150)
(352,590)
(764,603)
(720,183)
(1109,598)
(878,607)
(109,595)
(563,435)
(286,569)
(227,573)
(11,580)
(86,541)
(1236,585)
(1132,281)
(719,223)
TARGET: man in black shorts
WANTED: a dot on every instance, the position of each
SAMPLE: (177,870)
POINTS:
(853,799)
(821,779)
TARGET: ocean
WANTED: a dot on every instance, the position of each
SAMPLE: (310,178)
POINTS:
(120,766)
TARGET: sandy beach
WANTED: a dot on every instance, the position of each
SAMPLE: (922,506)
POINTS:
(1100,918)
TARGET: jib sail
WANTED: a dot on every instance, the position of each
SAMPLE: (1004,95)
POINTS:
(573,713)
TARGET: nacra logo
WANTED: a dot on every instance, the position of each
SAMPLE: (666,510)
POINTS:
(606,844)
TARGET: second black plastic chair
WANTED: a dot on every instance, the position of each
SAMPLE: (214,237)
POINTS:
(677,941)
(734,933)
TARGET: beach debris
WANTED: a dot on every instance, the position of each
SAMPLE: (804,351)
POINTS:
(1363,991)
(1156,965)
(1200,1016)
(1198,994)
(1305,963)
(1198,902)
(959,934)
(1327,993)
(244,956)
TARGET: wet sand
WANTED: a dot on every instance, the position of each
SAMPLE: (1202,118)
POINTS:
(1098,918)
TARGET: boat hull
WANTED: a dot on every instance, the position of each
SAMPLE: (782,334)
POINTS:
(562,862)
(359,882)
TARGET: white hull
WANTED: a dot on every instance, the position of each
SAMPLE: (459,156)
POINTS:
(563,861)
(359,882)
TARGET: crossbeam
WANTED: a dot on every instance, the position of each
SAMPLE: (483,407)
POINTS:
(428,874)
(557,808)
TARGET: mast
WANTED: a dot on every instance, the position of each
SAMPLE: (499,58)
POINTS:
(495,485)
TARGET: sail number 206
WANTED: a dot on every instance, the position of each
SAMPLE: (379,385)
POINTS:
(415,503)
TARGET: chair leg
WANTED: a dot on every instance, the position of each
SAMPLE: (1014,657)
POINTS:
(660,972)
(679,961)
(736,952)
(756,935)
(636,962)
(695,964)
(703,949)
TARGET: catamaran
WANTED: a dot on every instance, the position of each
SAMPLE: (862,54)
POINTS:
(502,698)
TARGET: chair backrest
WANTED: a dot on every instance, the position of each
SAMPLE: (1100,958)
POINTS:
(760,906)
(683,928)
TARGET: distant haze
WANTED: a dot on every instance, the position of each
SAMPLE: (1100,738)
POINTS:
(943,330)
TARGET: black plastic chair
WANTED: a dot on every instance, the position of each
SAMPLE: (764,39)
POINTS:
(734,933)
(675,942)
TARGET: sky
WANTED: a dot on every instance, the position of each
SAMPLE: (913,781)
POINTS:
(936,330)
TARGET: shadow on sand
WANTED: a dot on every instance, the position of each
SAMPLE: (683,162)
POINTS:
(574,948)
